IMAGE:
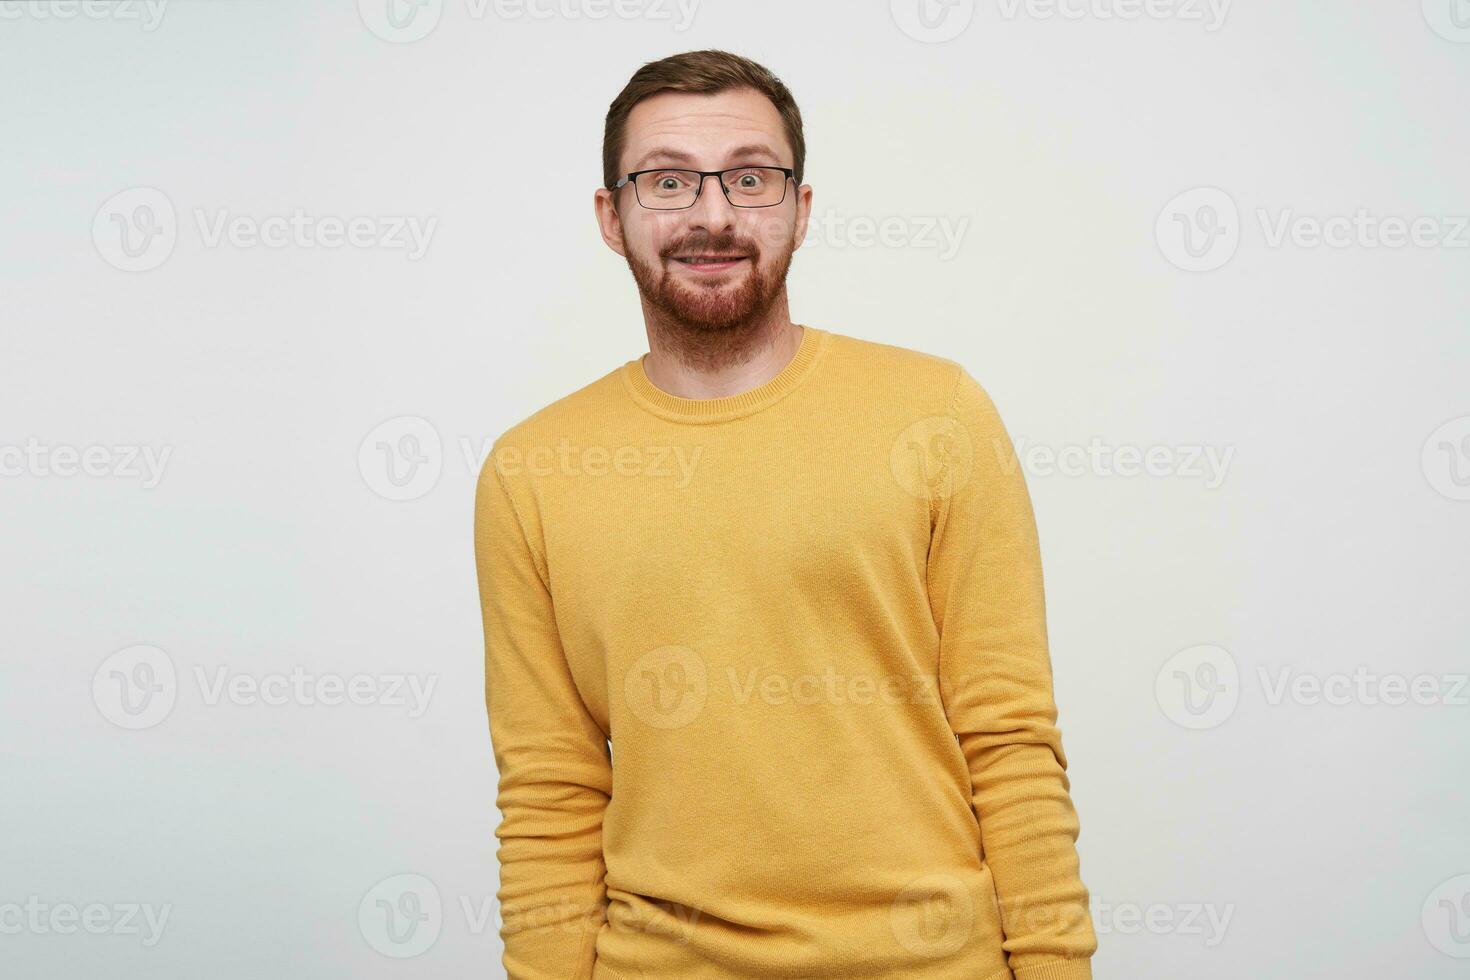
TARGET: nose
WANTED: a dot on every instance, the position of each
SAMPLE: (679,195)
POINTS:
(712,209)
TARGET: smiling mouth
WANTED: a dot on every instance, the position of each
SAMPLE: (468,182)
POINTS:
(709,262)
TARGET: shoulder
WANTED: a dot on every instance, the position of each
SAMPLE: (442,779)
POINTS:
(556,424)
(874,357)
(943,383)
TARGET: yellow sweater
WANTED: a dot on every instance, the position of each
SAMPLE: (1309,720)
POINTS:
(810,620)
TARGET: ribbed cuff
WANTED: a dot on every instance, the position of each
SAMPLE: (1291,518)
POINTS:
(1058,970)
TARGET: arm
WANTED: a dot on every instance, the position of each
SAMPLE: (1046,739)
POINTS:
(555,773)
(985,588)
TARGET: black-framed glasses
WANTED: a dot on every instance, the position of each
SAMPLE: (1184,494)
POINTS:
(671,189)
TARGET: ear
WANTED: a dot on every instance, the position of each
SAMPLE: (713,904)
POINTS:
(609,222)
(803,212)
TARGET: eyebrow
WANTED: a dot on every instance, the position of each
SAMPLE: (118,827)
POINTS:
(678,156)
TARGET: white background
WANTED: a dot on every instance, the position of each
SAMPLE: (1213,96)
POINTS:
(1243,831)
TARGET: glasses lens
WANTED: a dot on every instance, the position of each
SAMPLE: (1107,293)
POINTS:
(667,189)
(755,187)
(748,187)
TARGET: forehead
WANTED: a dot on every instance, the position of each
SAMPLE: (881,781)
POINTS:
(706,127)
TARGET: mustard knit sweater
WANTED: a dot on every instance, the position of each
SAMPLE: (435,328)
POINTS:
(809,619)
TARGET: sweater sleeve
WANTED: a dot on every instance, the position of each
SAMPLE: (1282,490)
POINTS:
(555,774)
(985,588)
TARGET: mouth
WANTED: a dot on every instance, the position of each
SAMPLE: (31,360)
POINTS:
(710,263)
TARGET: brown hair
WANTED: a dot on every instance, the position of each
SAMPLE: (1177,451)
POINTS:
(703,73)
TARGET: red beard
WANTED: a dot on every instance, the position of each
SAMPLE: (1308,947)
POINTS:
(726,302)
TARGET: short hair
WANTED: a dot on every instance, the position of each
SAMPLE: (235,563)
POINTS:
(703,73)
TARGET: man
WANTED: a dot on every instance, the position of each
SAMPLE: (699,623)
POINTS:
(794,578)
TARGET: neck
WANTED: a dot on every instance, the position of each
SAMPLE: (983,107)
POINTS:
(698,364)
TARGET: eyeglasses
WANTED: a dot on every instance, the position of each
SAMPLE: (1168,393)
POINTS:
(664,189)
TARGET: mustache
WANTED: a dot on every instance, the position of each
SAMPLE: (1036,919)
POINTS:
(723,245)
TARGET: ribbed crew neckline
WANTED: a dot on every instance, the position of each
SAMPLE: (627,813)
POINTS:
(727,407)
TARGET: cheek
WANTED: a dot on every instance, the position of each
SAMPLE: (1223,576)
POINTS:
(653,233)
